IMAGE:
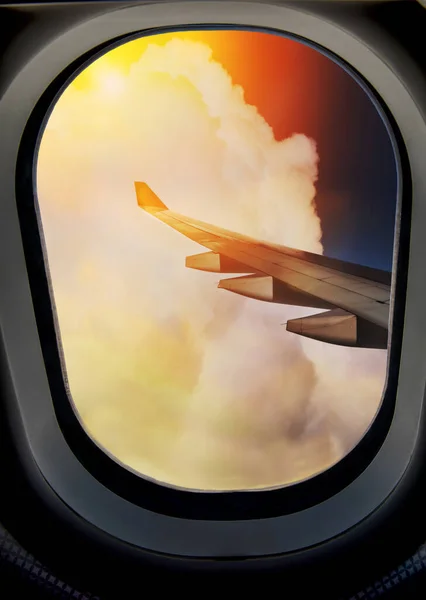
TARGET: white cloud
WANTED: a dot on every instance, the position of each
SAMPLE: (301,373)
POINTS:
(190,384)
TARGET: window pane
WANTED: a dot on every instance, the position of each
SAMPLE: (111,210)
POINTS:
(179,379)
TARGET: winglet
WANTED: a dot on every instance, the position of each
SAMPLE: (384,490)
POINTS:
(147,199)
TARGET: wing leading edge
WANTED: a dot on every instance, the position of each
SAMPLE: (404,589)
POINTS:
(355,299)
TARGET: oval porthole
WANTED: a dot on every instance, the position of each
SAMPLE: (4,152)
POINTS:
(218,210)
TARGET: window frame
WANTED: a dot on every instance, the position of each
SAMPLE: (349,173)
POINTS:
(28,397)
(143,491)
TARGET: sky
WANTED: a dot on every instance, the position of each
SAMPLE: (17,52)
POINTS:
(187,384)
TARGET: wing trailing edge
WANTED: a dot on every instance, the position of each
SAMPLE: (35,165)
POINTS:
(269,289)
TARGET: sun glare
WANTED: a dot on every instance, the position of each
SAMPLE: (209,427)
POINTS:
(112,83)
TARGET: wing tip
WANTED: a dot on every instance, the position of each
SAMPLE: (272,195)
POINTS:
(147,199)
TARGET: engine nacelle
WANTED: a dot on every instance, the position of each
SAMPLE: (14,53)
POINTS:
(341,328)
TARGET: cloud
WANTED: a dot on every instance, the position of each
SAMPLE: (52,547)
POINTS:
(183,382)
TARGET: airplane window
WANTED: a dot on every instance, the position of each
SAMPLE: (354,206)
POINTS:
(218,211)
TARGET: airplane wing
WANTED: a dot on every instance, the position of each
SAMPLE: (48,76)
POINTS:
(355,299)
